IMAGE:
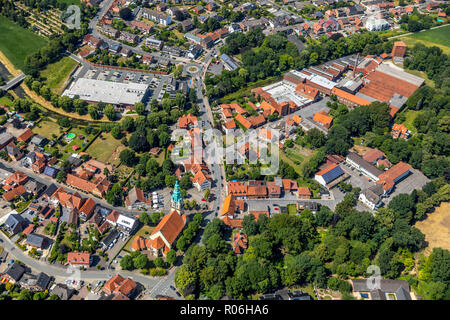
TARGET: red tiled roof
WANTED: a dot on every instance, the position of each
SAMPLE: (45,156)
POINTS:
(24,137)
(170,226)
(78,258)
(327,169)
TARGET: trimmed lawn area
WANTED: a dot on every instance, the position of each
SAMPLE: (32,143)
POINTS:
(17,43)
(410,116)
(103,148)
(141,232)
(5,101)
(21,206)
(46,129)
(56,74)
(79,132)
(436,37)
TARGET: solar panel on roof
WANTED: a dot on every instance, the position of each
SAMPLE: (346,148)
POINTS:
(332,174)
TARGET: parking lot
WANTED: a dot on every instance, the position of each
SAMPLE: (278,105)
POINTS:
(156,83)
(416,180)
(357,179)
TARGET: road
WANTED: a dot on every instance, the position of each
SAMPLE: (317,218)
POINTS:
(61,272)
(94,31)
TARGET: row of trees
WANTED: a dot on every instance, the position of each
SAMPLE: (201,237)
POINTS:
(287,250)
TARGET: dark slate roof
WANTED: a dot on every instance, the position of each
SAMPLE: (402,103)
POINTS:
(15,271)
(74,161)
(13,220)
(42,281)
(402,294)
(49,171)
(390,286)
(36,240)
(110,237)
(63,292)
(377,295)
(50,190)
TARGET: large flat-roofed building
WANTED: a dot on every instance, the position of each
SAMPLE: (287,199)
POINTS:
(93,91)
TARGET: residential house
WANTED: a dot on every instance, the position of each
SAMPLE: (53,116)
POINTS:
(87,209)
(240,242)
(79,259)
(14,273)
(15,223)
(37,240)
(388,290)
(120,285)
(25,136)
(158,17)
(137,199)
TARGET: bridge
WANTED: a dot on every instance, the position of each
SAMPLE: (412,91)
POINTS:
(13,82)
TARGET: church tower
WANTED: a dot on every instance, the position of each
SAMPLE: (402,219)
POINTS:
(177,200)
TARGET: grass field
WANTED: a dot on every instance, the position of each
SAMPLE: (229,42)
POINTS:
(56,74)
(436,228)
(410,116)
(104,147)
(436,37)
(5,101)
(79,132)
(295,156)
(46,129)
(17,43)
(69,2)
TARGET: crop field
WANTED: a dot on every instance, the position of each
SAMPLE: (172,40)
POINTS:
(437,37)
(16,42)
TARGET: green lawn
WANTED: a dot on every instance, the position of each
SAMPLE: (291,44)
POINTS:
(69,2)
(16,42)
(410,116)
(5,101)
(56,74)
(46,129)
(103,147)
(436,37)
(67,149)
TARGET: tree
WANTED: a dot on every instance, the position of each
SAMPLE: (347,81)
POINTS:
(140,262)
(126,263)
(171,257)
(116,132)
(144,218)
(128,157)
(185,182)
(154,217)
(61,176)
(185,280)
(125,13)
(93,112)
(110,112)
(159,262)
(315,138)
(139,107)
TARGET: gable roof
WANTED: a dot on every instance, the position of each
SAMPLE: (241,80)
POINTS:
(170,226)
